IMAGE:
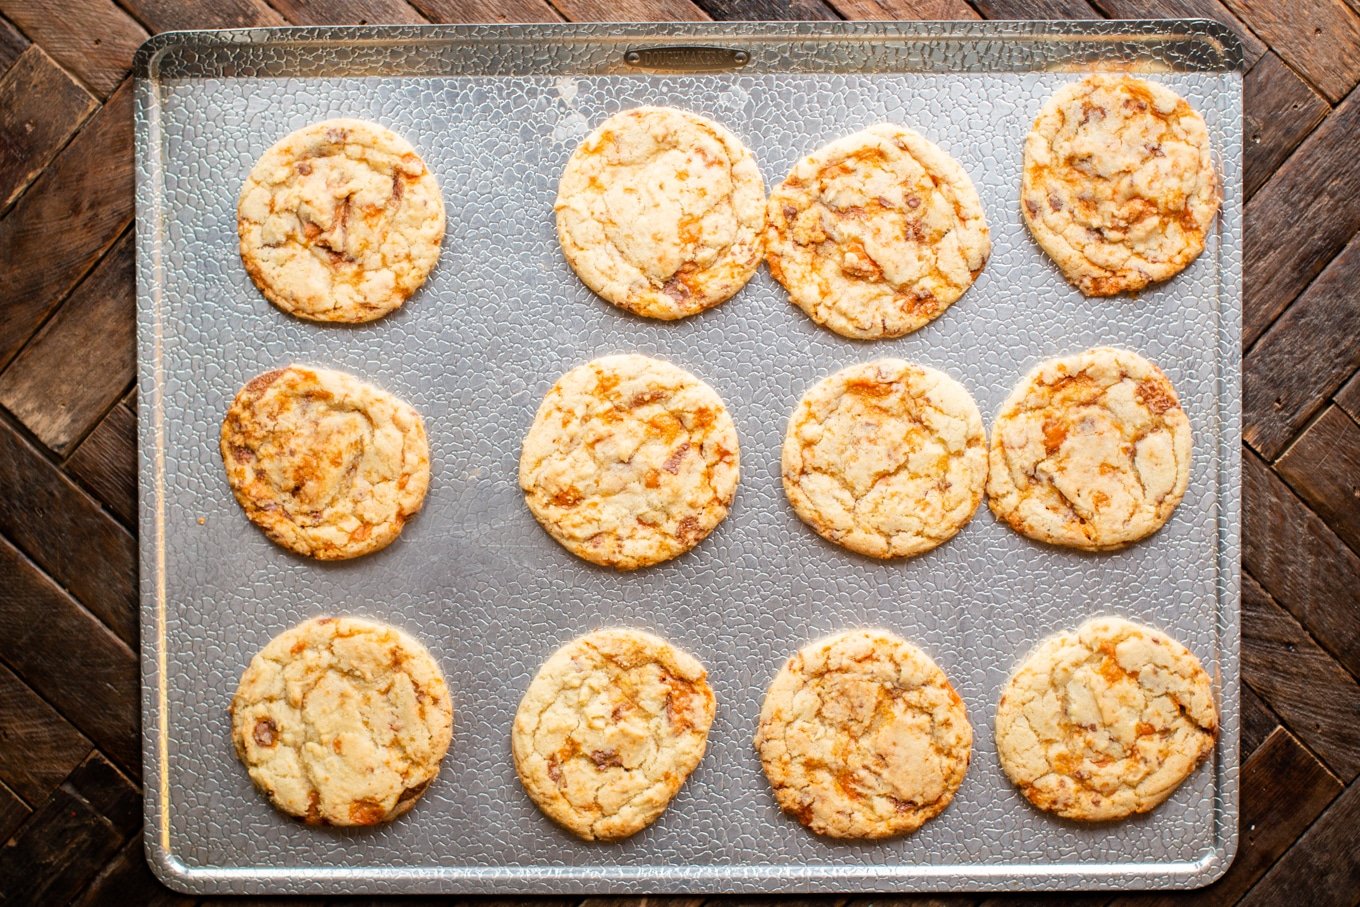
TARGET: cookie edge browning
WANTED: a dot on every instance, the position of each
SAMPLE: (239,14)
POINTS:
(1123,282)
(791,448)
(620,562)
(1100,627)
(617,640)
(406,800)
(996,472)
(651,303)
(940,163)
(249,394)
(785,794)
(275,154)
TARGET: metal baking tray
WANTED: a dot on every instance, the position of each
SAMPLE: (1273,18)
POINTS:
(495,111)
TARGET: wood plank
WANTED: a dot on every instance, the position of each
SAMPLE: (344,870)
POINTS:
(348,12)
(1258,722)
(924,10)
(1319,38)
(1036,9)
(1300,562)
(912,900)
(630,10)
(1305,355)
(1324,863)
(1252,46)
(40,108)
(68,534)
(38,747)
(1318,186)
(128,880)
(766,10)
(93,39)
(67,218)
(82,361)
(1323,466)
(106,463)
(1348,398)
(13,812)
(1283,789)
(1280,110)
(69,658)
(1317,699)
(487,10)
(173,15)
(12,44)
(69,839)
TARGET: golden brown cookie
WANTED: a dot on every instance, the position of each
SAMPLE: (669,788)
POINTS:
(342,721)
(876,234)
(886,458)
(1090,451)
(340,221)
(660,211)
(325,464)
(1119,186)
(609,729)
(862,736)
(630,461)
(1106,721)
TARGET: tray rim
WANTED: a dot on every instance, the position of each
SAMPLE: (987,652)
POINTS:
(759,878)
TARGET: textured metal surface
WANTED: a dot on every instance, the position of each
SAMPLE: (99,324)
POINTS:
(502,316)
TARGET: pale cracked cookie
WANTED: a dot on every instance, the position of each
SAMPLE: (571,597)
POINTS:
(327,465)
(660,212)
(1106,721)
(886,458)
(609,729)
(342,721)
(1090,451)
(862,736)
(340,221)
(1119,186)
(630,461)
(875,234)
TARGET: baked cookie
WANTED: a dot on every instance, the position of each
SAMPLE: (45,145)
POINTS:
(1119,186)
(1106,721)
(885,458)
(660,211)
(342,721)
(630,461)
(327,465)
(875,234)
(1090,451)
(862,736)
(609,729)
(340,221)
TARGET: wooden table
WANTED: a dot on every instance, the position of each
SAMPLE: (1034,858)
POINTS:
(70,791)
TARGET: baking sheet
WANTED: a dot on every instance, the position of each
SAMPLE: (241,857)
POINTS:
(495,112)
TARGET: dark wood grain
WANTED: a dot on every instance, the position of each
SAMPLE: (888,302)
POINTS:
(1348,397)
(64,844)
(487,10)
(770,10)
(13,812)
(1283,790)
(1320,38)
(95,39)
(348,12)
(68,534)
(1252,47)
(69,658)
(12,44)
(82,361)
(1323,868)
(904,9)
(1303,358)
(38,747)
(172,15)
(128,880)
(1280,110)
(1258,722)
(106,463)
(1300,219)
(1323,466)
(1300,562)
(40,108)
(67,219)
(1316,697)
